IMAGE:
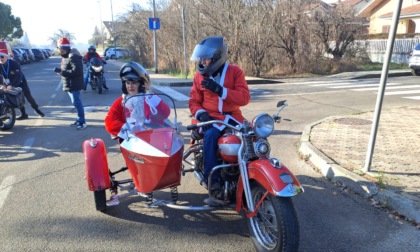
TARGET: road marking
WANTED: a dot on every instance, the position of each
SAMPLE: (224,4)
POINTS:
(5,188)
(413,97)
(364,85)
(403,92)
(172,93)
(387,88)
(28,144)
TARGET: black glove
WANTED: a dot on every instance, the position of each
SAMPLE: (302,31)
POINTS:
(211,85)
(104,62)
(57,70)
(204,117)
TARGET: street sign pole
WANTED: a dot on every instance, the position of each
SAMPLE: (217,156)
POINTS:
(382,85)
(154,40)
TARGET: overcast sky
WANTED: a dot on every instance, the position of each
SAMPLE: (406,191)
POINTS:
(42,18)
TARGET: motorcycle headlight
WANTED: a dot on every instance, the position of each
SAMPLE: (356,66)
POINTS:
(263,125)
(97,69)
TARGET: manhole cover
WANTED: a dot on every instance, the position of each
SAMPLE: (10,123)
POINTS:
(353,121)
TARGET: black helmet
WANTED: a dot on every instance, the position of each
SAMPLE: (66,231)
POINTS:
(92,47)
(210,47)
(133,71)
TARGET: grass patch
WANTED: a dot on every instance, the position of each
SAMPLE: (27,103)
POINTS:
(378,66)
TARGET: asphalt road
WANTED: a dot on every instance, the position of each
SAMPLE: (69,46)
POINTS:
(45,204)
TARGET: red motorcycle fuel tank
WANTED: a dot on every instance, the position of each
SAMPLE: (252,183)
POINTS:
(96,164)
(154,158)
(228,147)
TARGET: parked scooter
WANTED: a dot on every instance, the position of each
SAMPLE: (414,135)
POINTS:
(253,181)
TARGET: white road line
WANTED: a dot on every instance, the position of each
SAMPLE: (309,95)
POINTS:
(5,188)
(387,88)
(172,93)
(403,92)
(345,83)
(413,97)
(365,85)
(28,144)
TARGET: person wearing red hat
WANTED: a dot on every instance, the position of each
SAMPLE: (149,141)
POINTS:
(12,73)
(71,73)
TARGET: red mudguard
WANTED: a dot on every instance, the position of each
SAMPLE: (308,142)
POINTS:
(96,164)
(267,176)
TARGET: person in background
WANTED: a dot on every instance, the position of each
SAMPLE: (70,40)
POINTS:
(219,90)
(71,72)
(86,59)
(14,76)
(141,109)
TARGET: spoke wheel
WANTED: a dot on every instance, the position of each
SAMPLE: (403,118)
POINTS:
(275,226)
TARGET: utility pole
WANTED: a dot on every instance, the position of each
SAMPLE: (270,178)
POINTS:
(102,30)
(112,24)
(154,40)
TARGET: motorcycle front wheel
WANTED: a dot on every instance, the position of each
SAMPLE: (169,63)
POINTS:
(99,84)
(8,118)
(275,226)
(100,200)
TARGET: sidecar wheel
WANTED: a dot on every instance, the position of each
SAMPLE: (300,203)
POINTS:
(100,200)
(275,226)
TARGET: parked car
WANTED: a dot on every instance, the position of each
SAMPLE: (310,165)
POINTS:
(28,51)
(116,53)
(414,60)
(18,56)
(39,55)
(25,56)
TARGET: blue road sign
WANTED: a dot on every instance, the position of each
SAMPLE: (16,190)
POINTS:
(154,23)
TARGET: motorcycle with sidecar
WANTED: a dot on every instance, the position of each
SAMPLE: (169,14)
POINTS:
(252,181)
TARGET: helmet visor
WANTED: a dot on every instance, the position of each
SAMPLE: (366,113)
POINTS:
(130,76)
(202,52)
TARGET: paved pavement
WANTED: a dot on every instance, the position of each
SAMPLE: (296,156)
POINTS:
(337,146)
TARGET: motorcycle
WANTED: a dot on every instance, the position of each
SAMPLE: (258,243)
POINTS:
(96,74)
(253,182)
(9,100)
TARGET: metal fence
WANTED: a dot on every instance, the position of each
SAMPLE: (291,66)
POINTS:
(402,48)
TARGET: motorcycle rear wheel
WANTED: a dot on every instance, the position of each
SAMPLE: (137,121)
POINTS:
(275,226)
(10,118)
(100,200)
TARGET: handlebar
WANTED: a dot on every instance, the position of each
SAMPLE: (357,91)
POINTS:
(201,124)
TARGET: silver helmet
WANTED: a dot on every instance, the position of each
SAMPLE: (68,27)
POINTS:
(210,47)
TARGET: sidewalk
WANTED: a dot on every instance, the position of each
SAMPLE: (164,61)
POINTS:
(337,146)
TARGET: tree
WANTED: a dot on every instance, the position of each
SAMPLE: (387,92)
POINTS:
(97,37)
(10,26)
(61,34)
(337,29)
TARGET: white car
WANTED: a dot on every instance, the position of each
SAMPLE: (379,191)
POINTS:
(414,61)
(117,52)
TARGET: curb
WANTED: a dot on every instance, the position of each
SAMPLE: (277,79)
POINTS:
(334,172)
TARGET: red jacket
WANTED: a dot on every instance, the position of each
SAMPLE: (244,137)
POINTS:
(235,95)
(88,56)
(115,118)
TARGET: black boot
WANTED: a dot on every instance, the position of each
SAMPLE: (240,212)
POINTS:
(23,115)
(39,112)
(104,84)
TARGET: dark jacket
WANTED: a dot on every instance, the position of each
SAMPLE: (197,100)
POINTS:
(72,72)
(12,71)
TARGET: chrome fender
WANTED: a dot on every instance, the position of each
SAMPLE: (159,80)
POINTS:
(278,181)
(96,164)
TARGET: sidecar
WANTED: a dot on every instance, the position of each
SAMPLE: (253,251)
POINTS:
(153,156)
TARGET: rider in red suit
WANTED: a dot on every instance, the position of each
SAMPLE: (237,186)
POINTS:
(219,90)
(135,80)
